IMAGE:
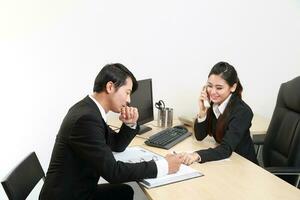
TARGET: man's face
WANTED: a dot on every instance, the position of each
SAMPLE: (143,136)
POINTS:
(121,96)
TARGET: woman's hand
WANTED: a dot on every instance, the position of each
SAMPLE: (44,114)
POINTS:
(190,158)
(202,107)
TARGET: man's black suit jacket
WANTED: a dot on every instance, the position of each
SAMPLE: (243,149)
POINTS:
(83,152)
(237,134)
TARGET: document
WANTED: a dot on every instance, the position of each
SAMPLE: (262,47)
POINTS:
(138,154)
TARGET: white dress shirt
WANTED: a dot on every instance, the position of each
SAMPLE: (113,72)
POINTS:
(219,109)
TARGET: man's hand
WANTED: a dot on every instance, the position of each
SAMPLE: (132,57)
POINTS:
(129,115)
(174,162)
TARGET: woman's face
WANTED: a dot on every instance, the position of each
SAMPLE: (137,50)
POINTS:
(218,89)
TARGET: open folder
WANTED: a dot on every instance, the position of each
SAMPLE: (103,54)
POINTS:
(138,154)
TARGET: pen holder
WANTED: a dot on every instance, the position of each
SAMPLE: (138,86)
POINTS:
(161,117)
(169,117)
(165,117)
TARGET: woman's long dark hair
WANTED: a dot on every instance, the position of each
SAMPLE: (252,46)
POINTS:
(229,74)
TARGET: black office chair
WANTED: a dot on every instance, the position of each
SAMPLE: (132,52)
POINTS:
(281,145)
(20,182)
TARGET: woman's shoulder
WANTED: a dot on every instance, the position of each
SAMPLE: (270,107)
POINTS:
(242,106)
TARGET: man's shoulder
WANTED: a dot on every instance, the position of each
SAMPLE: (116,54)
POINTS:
(86,104)
(85,108)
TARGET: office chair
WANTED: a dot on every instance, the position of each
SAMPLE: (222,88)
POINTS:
(281,144)
(20,182)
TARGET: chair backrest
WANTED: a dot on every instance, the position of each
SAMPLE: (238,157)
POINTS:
(20,182)
(282,142)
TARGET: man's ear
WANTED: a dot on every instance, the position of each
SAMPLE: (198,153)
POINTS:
(110,87)
(233,88)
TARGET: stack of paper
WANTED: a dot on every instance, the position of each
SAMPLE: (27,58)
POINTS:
(139,154)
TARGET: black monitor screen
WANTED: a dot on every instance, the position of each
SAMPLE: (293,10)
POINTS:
(142,99)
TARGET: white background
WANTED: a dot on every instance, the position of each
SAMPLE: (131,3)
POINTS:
(51,51)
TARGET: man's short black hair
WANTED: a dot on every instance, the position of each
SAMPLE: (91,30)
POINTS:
(116,73)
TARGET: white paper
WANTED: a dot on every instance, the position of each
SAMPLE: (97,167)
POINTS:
(139,154)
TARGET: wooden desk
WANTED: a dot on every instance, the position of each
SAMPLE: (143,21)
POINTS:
(259,124)
(234,178)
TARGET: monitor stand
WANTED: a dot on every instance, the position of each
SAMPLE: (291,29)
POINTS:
(144,129)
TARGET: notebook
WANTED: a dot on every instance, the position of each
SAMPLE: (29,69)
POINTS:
(138,154)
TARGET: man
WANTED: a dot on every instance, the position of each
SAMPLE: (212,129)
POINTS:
(84,144)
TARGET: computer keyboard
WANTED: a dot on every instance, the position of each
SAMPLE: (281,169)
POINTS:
(168,138)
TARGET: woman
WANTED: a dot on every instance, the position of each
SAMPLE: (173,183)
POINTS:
(227,117)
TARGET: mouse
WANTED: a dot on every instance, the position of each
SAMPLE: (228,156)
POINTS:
(181,127)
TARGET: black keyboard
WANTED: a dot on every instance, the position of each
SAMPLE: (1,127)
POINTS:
(167,138)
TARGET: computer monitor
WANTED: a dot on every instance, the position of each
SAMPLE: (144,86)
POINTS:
(142,99)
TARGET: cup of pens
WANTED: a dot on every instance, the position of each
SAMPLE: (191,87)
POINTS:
(161,117)
(169,117)
(164,115)
(161,113)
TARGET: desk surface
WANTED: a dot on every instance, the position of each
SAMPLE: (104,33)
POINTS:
(259,124)
(233,178)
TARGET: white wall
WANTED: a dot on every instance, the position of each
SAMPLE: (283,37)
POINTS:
(51,52)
